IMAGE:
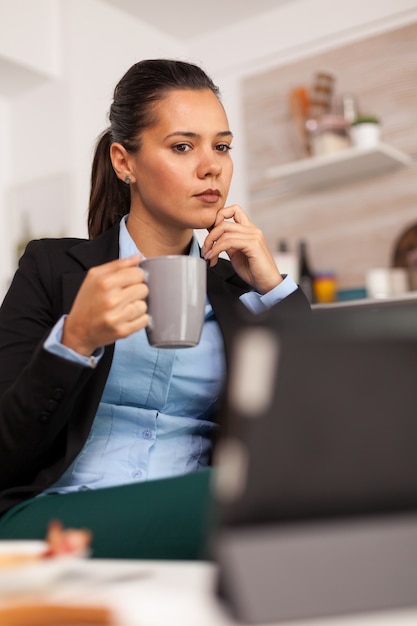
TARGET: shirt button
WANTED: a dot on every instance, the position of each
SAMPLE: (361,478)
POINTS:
(84,488)
(137,473)
(147,434)
(44,416)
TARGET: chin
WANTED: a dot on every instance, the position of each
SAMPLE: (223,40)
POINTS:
(207,220)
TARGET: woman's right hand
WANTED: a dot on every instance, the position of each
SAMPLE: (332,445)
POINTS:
(110,305)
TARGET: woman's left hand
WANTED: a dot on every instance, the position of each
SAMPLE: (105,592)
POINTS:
(246,247)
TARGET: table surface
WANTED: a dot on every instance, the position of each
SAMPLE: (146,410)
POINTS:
(161,593)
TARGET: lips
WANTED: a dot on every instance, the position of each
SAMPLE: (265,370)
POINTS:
(209,195)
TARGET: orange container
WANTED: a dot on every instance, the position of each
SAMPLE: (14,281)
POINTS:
(324,287)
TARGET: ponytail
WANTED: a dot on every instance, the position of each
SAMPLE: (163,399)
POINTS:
(109,196)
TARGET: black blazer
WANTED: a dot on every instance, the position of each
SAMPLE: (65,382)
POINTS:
(47,404)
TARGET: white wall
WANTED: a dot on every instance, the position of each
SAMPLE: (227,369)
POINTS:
(29,37)
(5,265)
(60,62)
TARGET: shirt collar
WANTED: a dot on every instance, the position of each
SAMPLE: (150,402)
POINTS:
(127,246)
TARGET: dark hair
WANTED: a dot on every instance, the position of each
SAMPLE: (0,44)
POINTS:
(131,112)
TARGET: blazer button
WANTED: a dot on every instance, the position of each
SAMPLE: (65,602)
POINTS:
(51,406)
(44,416)
(58,394)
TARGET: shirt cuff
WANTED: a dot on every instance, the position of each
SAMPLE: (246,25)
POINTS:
(53,345)
(257,303)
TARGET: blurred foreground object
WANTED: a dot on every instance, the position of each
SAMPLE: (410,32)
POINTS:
(51,614)
(316,469)
(58,542)
(70,541)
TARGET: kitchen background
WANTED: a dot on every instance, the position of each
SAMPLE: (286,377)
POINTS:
(350,226)
(60,59)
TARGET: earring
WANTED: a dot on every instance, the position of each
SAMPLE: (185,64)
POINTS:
(128,180)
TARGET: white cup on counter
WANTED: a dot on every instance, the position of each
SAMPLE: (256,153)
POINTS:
(382,282)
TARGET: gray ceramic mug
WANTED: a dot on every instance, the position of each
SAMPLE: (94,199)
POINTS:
(176,301)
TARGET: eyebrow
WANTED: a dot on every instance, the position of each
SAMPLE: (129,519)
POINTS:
(185,133)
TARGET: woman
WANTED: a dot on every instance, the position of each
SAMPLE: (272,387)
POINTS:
(88,410)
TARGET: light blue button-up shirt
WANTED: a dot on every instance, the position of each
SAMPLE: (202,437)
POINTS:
(155,416)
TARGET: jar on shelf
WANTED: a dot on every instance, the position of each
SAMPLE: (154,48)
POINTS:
(325,287)
(328,134)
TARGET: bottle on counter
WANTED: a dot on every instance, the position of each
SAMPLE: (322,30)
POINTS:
(306,275)
(286,261)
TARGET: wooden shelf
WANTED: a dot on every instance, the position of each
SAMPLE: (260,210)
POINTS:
(337,168)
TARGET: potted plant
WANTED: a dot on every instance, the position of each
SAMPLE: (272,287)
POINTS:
(365,131)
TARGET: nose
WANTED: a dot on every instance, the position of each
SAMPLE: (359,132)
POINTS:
(209,165)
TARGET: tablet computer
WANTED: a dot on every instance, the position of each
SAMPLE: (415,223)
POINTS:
(316,470)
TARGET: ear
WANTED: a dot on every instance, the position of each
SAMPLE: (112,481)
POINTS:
(120,159)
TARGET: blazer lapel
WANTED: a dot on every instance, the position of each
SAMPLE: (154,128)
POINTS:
(223,291)
(89,253)
(97,251)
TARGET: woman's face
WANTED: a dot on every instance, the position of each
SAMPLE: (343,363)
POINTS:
(182,172)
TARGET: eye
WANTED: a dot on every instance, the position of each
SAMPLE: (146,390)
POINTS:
(181,147)
(223,147)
